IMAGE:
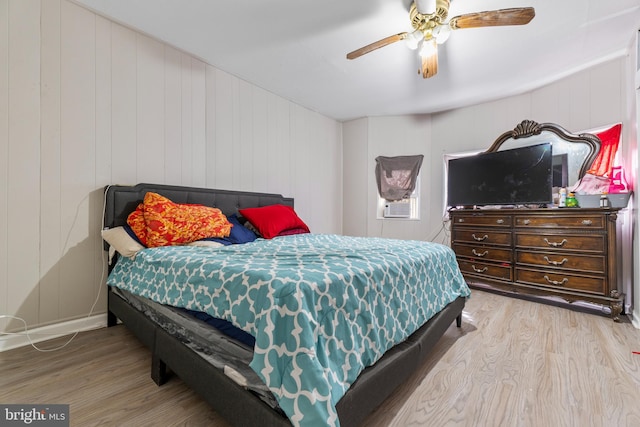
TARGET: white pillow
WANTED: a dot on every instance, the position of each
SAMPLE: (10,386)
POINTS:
(205,244)
(121,241)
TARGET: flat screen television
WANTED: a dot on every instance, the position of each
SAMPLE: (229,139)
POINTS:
(520,176)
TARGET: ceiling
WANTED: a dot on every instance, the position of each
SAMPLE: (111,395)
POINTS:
(297,48)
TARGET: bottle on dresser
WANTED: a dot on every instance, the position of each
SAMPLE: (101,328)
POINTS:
(562,198)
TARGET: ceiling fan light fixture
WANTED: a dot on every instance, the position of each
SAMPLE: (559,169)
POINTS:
(413,39)
(442,33)
(429,48)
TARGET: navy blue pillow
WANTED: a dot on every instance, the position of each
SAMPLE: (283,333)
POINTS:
(240,233)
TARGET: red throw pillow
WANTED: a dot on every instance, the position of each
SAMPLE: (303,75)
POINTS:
(273,220)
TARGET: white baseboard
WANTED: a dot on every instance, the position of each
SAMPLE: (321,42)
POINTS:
(45,333)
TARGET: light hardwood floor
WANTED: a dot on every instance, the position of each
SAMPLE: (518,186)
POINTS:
(513,363)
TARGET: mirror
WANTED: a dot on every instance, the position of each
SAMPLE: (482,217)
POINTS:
(573,154)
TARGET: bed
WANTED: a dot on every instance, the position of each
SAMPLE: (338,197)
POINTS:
(328,335)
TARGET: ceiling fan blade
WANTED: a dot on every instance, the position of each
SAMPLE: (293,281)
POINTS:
(376,45)
(494,18)
(430,60)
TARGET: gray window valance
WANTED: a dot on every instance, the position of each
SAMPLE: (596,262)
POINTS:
(396,176)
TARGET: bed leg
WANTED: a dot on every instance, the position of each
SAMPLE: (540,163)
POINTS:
(112,319)
(459,320)
(158,370)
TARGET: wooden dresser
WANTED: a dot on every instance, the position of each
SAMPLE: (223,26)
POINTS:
(570,253)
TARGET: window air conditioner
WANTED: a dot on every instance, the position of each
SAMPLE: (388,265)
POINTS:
(400,209)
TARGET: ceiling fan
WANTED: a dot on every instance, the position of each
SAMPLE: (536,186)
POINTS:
(430,28)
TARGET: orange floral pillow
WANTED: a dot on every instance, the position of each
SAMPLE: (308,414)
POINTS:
(137,224)
(167,223)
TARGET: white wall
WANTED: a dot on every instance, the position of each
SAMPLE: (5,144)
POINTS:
(85,102)
(595,97)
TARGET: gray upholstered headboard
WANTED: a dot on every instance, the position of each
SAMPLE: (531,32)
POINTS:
(121,200)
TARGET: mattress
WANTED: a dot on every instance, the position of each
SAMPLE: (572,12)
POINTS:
(229,355)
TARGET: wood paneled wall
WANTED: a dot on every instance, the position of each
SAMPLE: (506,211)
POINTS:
(85,102)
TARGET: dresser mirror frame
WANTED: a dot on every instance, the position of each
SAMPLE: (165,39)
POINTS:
(581,149)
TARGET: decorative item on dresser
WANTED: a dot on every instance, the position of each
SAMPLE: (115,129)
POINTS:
(566,253)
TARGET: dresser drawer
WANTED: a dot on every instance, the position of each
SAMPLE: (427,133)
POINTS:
(482,220)
(585,243)
(488,270)
(568,261)
(483,253)
(482,236)
(561,280)
(589,221)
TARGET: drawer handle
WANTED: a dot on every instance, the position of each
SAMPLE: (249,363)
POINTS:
(554,282)
(587,222)
(500,221)
(556,263)
(460,219)
(555,244)
(479,254)
(479,270)
(526,222)
(479,239)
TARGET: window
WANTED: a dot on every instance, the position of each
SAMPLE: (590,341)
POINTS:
(398,186)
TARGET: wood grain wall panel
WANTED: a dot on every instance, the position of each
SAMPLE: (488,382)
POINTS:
(172,115)
(606,91)
(103,101)
(23,201)
(123,107)
(316,179)
(236,149)
(356,169)
(223,129)
(103,160)
(4,159)
(260,138)
(272,160)
(198,122)
(243,155)
(210,124)
(283,150)
(187,117)
(77,159)
(328,180)
(577,103)
(50,191)
(299,162)
(150,110)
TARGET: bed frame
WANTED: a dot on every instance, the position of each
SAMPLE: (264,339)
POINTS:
(234,403)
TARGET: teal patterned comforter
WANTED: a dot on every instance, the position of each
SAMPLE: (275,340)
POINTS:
(321,307)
